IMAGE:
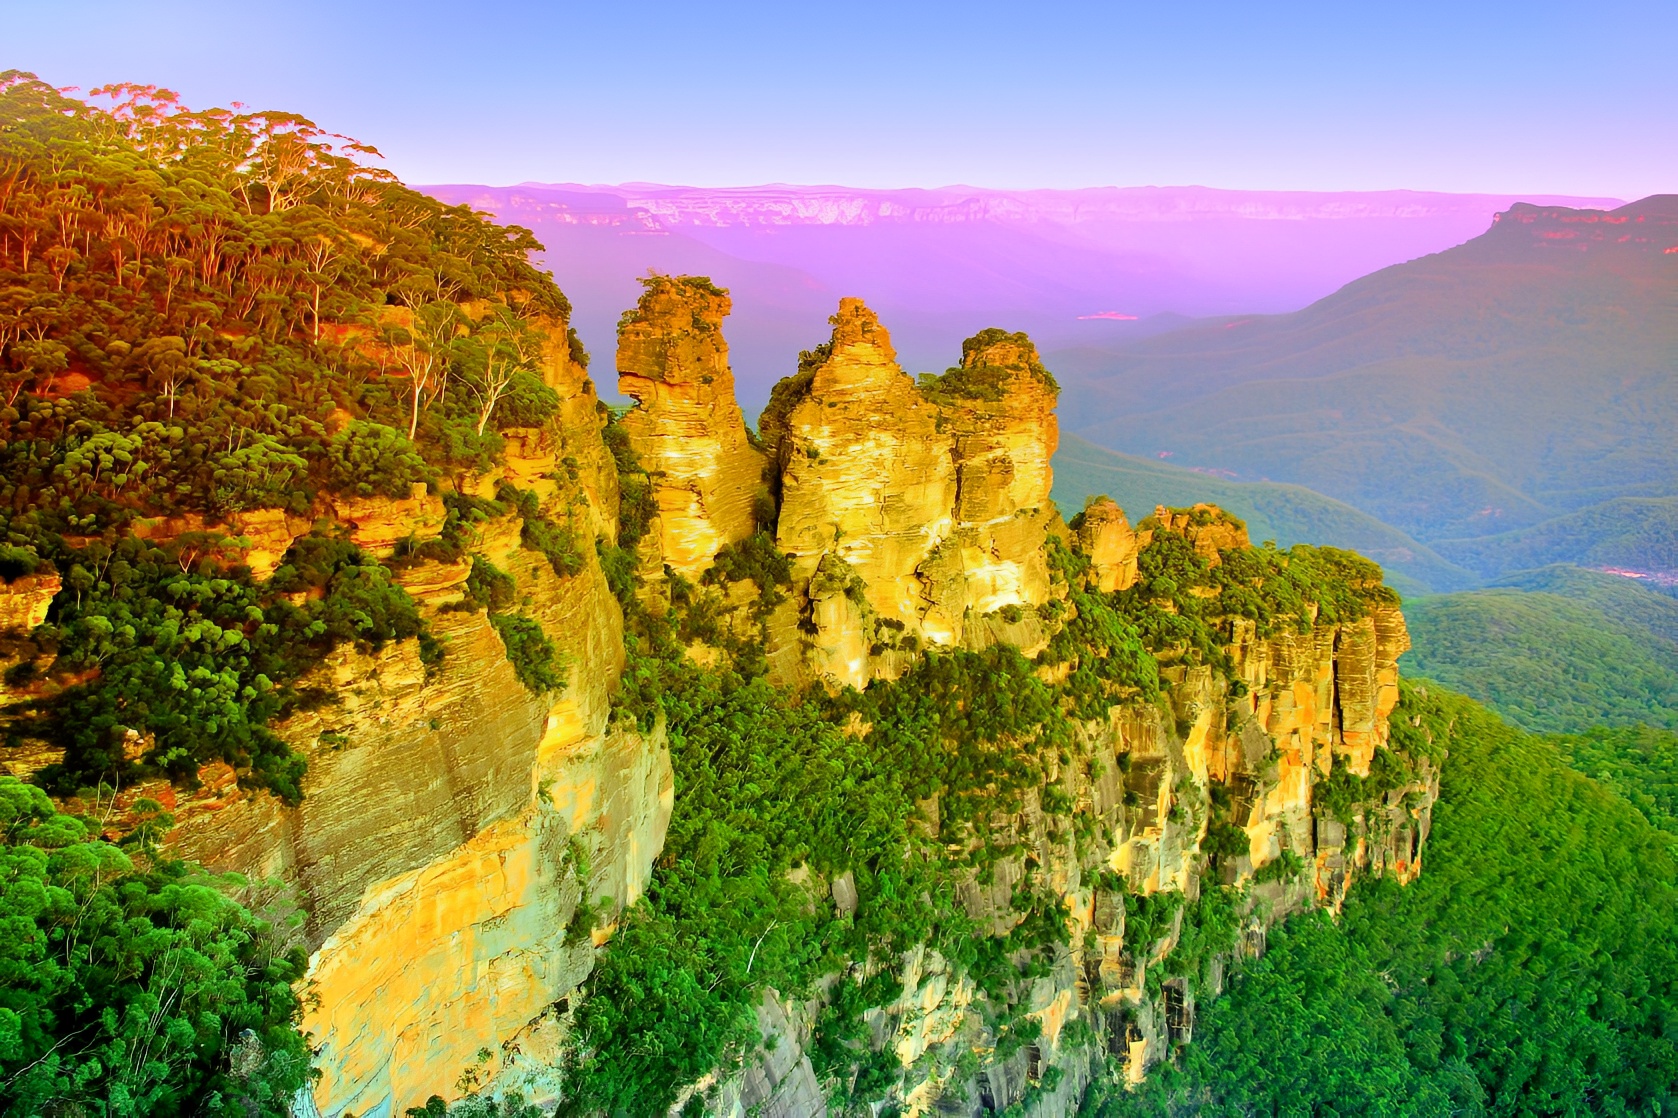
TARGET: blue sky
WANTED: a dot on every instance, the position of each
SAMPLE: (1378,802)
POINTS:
(1464,96)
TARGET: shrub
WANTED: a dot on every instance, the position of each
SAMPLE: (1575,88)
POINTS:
(536,661)
(131,984)
(369,459)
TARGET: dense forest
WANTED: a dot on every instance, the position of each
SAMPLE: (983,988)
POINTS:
(204,313)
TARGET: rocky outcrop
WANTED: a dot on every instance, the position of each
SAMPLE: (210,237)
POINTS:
(686,427)
(24,600)
(1106,537)
(913,513)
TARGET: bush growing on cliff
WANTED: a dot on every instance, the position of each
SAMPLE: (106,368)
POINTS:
(370,459)
(535,658)
(178,663)
(132,985)
(766,786)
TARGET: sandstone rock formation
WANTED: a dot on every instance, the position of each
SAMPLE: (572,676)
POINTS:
(1106,537)
(455,828)
(934,498)
(445,818)
(686,427)
(24,600)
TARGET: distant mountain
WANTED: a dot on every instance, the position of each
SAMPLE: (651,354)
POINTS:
(1527,374)
(1638,535)
(1288,514)
(1075,268)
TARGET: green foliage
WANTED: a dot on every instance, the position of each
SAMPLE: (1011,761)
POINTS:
(535,659)
(1640,763)
(488,587)
(637,507)
(132,985)
(694,290)
(1106,648)
(181,663)
(527,403)
(1546,662)
(1635,602)
(1531,968)
(368,459)
(510,1105)
(766,786)
(540,532)
(978,377)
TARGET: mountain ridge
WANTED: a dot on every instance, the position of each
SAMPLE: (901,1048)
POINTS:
(1520,376)
(981,259)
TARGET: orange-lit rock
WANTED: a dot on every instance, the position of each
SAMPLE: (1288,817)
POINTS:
(686,426)
(936,495)
(269,534)
(377,524)
(24,600)
(1106,537)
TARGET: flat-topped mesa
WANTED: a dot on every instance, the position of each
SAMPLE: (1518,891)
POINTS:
(686,427)
(911,513)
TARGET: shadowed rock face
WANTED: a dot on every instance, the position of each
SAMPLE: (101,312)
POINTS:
(687,428)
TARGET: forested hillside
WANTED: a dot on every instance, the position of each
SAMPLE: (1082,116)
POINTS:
(207,313)
(1546,662)
(1522,377)
(1531,969)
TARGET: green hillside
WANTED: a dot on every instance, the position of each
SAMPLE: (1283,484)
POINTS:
(1629,601)
(1547,662)
(1498,385)
(1638,762)
(1288,514)
(1635,533)
(1530,969)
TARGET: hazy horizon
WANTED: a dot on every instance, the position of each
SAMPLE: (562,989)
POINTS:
(1307,96)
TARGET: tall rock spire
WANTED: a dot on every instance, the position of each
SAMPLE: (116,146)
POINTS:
(687,428)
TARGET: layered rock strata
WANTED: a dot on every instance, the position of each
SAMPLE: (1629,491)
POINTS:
(912,513)
(686,427)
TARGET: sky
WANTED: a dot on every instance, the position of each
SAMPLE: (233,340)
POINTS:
(1458,95)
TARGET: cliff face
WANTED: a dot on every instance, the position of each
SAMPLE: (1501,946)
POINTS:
(687,428)
(463,846)
(451,824)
